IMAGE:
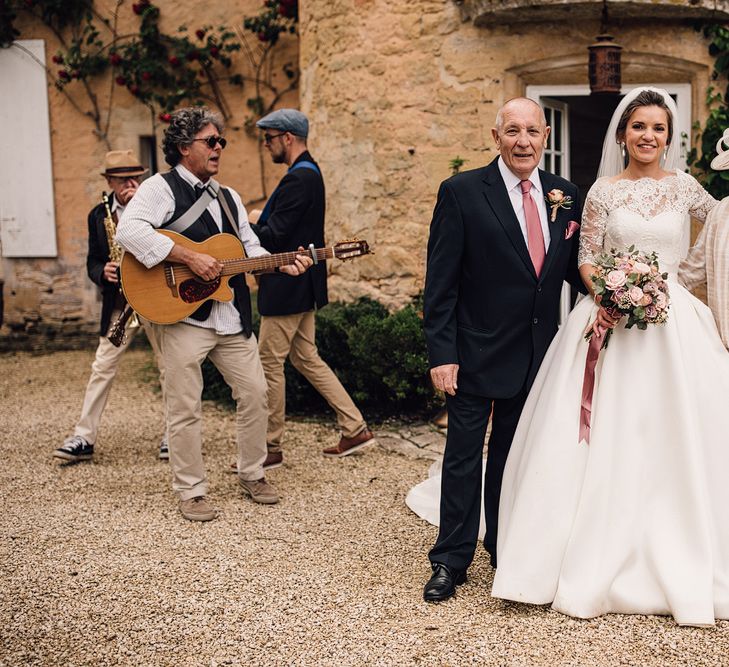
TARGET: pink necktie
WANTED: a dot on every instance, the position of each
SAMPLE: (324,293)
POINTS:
(535,237)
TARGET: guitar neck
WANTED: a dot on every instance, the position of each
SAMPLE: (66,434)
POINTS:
(266,262)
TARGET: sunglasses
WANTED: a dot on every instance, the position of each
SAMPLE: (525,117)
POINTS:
(213,141)
(267,137)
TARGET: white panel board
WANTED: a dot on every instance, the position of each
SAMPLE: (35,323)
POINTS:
(27,218)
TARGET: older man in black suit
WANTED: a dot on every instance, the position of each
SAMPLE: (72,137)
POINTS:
(501,245)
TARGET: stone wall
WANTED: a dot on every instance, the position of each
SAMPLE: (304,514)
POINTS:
(395,89)
(55,295)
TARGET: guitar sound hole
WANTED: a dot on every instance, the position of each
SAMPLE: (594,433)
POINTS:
(192,291)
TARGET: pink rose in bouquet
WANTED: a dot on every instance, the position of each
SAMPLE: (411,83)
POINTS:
(615,279)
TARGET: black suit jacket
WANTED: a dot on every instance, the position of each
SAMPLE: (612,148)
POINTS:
(485,309)
(296,219)
(96,257)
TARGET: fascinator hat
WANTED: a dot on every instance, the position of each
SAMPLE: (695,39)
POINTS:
(721,161)
(612,162)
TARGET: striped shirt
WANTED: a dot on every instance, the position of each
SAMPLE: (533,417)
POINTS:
(708,263)
(152,206)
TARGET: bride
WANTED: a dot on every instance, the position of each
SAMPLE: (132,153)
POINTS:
(637,521)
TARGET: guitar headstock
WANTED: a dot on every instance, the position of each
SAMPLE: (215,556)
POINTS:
(351,248)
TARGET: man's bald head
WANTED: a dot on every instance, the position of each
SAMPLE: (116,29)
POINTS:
(518,102)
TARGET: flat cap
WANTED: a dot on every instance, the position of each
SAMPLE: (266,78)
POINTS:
(285,120)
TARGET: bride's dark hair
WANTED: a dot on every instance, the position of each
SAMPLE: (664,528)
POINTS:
(647,98)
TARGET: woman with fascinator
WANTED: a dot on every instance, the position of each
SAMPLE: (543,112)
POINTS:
(636,521)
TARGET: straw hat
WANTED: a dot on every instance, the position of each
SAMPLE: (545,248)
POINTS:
(721,161)
(122,164)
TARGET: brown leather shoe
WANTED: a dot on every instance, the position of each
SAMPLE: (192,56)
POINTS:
(347,446)
(259,490)
(198,509)
(273,460)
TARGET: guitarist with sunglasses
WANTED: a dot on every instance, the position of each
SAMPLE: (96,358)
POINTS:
(218,330)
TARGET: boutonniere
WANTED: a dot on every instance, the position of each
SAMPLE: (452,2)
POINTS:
(556,200)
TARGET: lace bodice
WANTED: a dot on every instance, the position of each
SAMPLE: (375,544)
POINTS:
(646,213)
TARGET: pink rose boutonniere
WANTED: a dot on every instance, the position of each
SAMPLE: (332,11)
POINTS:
(556,200)
(571,228)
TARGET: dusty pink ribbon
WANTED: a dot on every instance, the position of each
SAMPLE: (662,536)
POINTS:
(588,386)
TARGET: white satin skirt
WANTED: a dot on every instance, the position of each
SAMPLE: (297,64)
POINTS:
(636,522)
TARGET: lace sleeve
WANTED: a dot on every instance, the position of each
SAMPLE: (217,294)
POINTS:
(592,230)
(700,201)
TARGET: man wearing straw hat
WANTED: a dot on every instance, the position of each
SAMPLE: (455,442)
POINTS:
(708,260)
(122,170)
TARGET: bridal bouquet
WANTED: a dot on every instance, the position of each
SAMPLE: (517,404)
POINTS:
(631,284)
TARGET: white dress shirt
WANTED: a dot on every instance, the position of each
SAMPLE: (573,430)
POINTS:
(116,207)
(151,207)
(513,187)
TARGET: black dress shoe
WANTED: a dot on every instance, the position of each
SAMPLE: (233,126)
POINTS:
(442,584)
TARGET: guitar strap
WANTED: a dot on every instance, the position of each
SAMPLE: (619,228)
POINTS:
(226,210)
(210,192)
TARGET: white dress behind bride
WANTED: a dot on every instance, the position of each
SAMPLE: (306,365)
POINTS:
(638,520)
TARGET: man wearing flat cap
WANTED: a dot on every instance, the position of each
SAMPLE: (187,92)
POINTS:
(293,217)
(122,170)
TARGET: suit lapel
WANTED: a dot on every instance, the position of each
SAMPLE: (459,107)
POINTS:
(498,199)
(556,228)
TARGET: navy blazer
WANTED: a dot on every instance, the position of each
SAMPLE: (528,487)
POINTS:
(296,219)
(484,306)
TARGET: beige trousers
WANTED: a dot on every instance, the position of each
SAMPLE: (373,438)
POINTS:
(103,372)
(184,347)
(293,336)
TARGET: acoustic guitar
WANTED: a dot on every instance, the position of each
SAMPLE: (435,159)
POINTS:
(170,292)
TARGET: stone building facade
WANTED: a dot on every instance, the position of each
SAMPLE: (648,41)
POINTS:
(395,90)
(52,296)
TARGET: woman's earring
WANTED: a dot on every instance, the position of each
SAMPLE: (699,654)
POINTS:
(665,153)
(622,149)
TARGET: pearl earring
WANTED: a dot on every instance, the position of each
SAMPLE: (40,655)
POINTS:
(622,150)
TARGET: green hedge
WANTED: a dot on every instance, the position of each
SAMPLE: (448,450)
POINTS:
(379,356)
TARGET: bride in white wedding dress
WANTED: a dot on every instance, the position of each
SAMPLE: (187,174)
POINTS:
(636,522)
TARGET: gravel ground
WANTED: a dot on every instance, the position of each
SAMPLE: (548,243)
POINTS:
(98,568)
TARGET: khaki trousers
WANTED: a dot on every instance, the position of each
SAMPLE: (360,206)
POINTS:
(293,336)
(184,347)
(103,372)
